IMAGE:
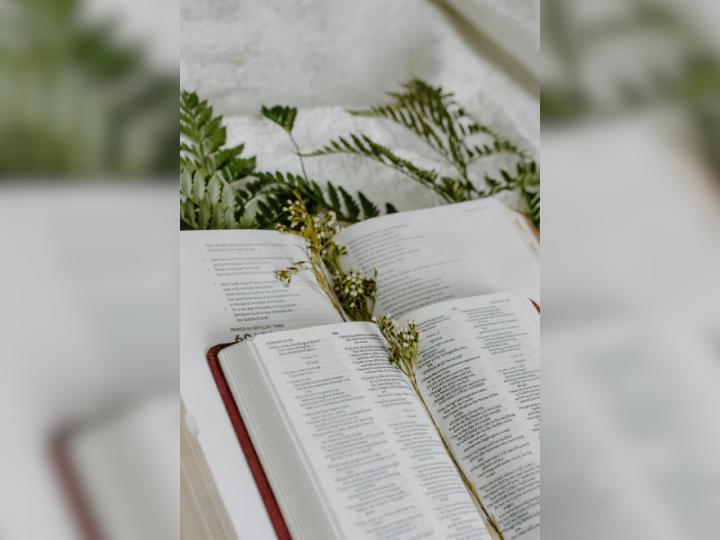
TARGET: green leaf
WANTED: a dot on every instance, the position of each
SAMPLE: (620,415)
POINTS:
(282,115)
(214,188)
(432,115)
(353,208)
(204,213)
(317,197)
(211,173)
(333,196)
(186,181)
(228,197)
(368,208)
(436,118)
(198,191)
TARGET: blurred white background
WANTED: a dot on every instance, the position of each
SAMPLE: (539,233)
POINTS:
(630,262)
(88,278)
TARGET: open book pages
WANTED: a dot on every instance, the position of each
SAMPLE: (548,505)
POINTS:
(453,251)
(352,451)
(229,292)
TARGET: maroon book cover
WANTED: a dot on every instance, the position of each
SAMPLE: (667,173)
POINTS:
(268,497)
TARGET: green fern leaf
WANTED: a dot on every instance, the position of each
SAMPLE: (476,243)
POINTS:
(198,187)
(209,170)
(334,199)
(204,213)
(214,188)
(282,115)
(368,208)
(432,115)
(330,197)
(352,207)
(437,119)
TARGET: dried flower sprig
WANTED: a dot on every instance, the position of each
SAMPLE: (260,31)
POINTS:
(287,274)
(318,233)
(318,230)
(352,294)
(356,294)
(404,355)
(403,345)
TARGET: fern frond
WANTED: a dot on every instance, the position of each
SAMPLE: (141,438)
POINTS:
(205,140)
(433,115)
(437,119)
(525,181)
(209,171)
(362,145)
(207,203)
(529,189)
(330,197)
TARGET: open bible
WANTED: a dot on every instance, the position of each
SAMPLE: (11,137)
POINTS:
(336,427)
(352,451)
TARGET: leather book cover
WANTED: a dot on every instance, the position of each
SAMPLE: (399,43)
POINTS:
(253,461)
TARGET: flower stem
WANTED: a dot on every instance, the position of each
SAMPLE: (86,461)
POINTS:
(299,155)
(492,523)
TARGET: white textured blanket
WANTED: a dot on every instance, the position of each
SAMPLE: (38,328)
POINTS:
(325,55)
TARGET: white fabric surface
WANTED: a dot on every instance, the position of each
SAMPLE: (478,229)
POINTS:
(325,55)
(513,24)
(242,54)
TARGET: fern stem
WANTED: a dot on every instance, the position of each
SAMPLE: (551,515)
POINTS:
(324,282)
(299,155)
(447,197)
(466,481)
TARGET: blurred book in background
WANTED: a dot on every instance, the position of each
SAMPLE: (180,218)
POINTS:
(88,214)
(630,260)
(116,468)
